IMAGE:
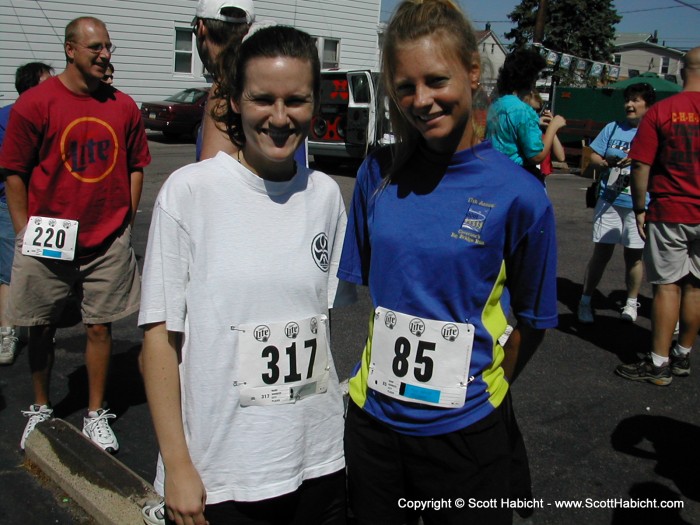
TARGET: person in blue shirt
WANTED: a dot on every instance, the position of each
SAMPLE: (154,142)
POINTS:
(452,240)
(511,124)
(27,76)
(613,218)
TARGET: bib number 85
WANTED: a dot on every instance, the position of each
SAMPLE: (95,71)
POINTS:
(423,371)
(272,353)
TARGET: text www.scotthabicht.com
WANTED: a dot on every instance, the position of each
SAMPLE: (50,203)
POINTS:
(495,503)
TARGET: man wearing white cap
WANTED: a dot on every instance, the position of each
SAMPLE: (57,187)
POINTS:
(217,24)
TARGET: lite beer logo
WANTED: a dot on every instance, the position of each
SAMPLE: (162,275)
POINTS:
(291,330)
(261,333)
(417,327)
(450,332)
(89,149)
(390,320)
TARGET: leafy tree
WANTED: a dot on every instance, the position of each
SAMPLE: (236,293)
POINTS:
(583,28)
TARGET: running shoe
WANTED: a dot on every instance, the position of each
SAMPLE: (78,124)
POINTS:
(96,428)
(629,312)
(645,370)
(585,313)
(153,512)
(36,414)
(8,345)
(680,364)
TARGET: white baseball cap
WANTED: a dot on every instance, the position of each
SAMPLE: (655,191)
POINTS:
(212,9)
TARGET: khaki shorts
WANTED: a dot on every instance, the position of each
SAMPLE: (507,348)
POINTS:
(109,285)
(672,251)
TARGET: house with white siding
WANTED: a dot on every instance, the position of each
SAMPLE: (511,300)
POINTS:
(493,55)
(638,53)
(156,55)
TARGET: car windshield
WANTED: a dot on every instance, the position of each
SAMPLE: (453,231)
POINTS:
(187,96)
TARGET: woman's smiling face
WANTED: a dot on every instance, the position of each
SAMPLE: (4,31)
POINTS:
(276,108)
(434,92)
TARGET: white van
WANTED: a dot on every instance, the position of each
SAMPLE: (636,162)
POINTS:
(346,126)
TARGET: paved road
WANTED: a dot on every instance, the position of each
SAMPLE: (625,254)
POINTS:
(594,439)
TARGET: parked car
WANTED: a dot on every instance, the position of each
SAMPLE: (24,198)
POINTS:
(180,114)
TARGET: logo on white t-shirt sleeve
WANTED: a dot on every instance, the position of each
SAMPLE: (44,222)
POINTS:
(319,251)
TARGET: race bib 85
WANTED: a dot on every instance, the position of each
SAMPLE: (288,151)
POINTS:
(420,360)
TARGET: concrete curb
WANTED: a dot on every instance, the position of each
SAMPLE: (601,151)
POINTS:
(105,488)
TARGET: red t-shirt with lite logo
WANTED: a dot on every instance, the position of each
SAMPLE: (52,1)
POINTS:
(78,151)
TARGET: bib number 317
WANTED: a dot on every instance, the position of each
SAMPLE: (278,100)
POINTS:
(50,238)
(283,363)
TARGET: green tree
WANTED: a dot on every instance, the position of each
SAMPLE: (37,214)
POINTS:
(583,28)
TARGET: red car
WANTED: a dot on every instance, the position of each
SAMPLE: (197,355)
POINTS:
(180,114)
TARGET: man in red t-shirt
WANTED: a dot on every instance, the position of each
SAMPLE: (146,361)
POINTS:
(73,162)
(666,164)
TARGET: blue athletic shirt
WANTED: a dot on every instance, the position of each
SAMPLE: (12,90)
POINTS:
(615,140)
(464,246)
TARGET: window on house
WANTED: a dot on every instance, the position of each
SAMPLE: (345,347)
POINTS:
(329,51)
(183,51)
(617,58)
(665,62)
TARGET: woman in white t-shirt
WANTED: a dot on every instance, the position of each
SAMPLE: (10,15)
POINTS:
(239,274)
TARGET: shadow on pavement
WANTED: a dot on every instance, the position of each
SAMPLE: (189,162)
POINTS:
(124,387)
(609,333)
(672,444)
(649,516)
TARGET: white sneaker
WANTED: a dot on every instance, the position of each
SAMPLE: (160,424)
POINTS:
(585,313)
(153,512)
(629,312)
(96,428)
(36,414)
(8,345)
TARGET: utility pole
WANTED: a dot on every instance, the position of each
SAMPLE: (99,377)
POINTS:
(538,35)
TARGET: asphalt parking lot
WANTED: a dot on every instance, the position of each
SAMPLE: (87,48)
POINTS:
(603,450)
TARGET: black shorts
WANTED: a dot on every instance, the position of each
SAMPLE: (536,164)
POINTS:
(460,477)
(318,501)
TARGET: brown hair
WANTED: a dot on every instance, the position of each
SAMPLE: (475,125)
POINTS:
(268,42)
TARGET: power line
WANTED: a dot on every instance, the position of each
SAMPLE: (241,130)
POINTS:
(687,5)
(650,9)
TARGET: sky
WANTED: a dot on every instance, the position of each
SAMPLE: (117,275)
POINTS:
(677,21)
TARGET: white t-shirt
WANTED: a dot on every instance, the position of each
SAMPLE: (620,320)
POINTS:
(228,248)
